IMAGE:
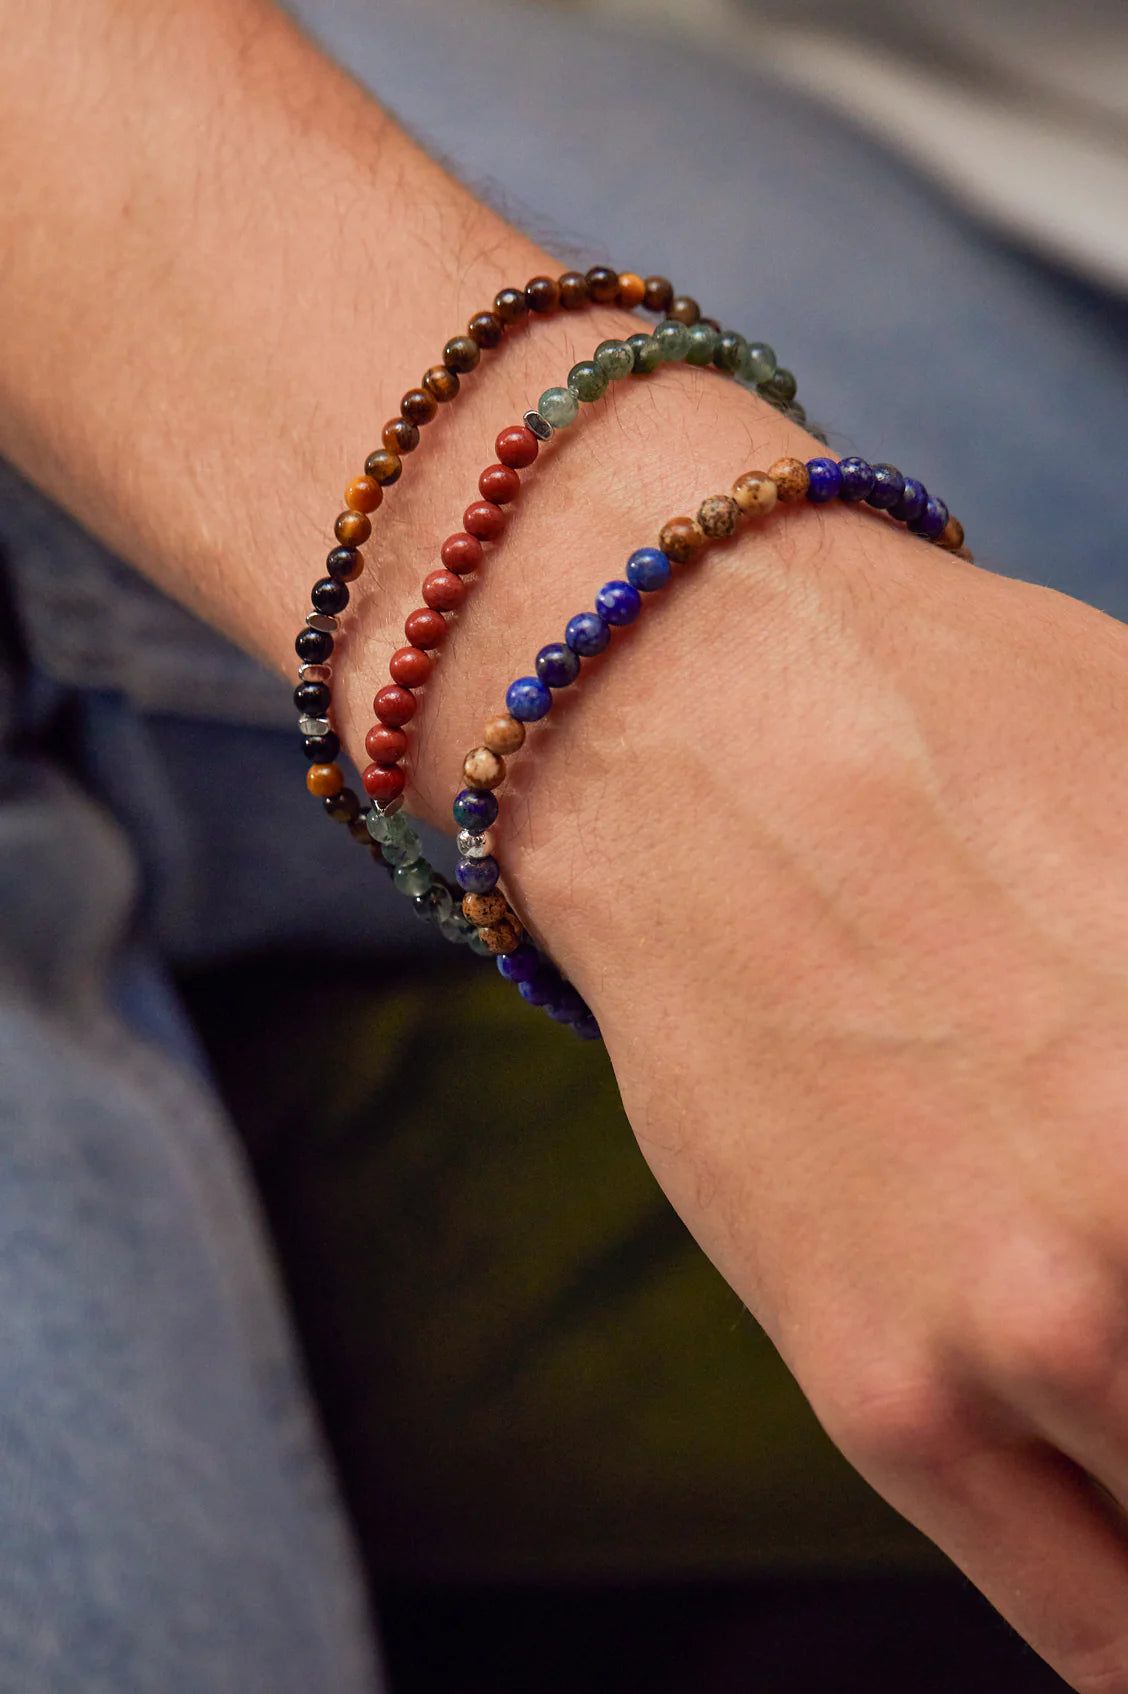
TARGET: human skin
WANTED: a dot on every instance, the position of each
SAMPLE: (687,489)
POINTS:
(834,848)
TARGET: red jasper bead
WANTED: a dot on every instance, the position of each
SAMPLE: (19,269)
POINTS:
(461,553)
(383,782)
(394,706)
(500,484)
(484,519)
(517,447)
(443,591)
(410,666)
(425,628)
(385,744)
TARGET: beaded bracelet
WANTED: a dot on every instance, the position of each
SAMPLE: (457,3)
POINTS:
(529,698)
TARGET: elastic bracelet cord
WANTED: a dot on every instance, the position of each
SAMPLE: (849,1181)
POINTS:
(755,494)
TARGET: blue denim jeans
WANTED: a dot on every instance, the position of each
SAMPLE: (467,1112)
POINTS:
(167,1517)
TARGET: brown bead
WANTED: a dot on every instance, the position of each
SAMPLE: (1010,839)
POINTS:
(363,494)
(718,516)
(604,284)
(383,467)
(352,528)
(462,354)
(441,382)
(350,574)
(409,666)
(483,769)
(418,406)
(399,436)
(542,294)
(755,493)
(425,628)
(632,290)
(659,294)
(681,539)
(486,329)
(485,908)
(385,745)
(684,308)
(503,937)
(791,479)
(511,306)
(504,734)
(324,780)
(951,537)
(574,291)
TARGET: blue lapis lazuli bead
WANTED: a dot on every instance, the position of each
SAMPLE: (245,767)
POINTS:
(521,965)
(527,699)
(931,522)
(857,479)
(587,634)
(825,483)
(557,665)
(912,502)
(543,988)
(587,1029)
(567,1006)
(648,569)
(888,487)
(477,876)
(475,809)
(618,603)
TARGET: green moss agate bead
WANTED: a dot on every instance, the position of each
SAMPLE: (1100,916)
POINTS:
(730,351)
(414,878)
(672,338)
(781,389)
(703,340)
(587,381)
(558,406)
(614,359)
(759,363)
(645,352)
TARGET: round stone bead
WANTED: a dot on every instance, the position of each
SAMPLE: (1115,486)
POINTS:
(477,876)
(483,769)
(557,665)
(614,359)
(587,381)
(321,749)
(730,352)
(383,782)
(558,407)
(914,498)
(394,830)
(703,340)
(648,569)
(824,481)
(344,564)
(443,591)
(425,628)
(684,308)
(527,699)
(520,965)
(363,494)
(415,878)
(314,646)
(568,1006)
(672,339)
(472,846)
(383,467)
(475,810)
(418,406)
(501,938)
(399,436)
(951,537)
(352,529)
(632,290)
(385,745)
(486,330)
(312,698)
(587,1029)
(932,520)
(484,520)
(658,294)
(645,352)
(542,988)
(503,735)
(329,595)
(587,634)
(394,706)
(462,354)
(603,283)
(755,493)
(781,389)
(574,291)
(857,479)
(791,479)
(477,945)
(618,603)
(718,516)
(461,553)
(680,539)
(511,306)
(517,447)
(888,487)
(542,294)
(324,780)
(759,364)
(409,666)
(442,383)
(485,908)
(500,484)
(434,904)
(342,807)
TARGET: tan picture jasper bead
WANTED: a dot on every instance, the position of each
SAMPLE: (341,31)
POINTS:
(755,493)
(503,937)
(791,479)
(681,538)
(484,909)
(483,768)
(718,516)
(503,734)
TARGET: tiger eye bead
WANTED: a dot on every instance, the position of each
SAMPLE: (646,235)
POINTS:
(503,937)
(718,516)
(659,294)
(352,528)
(345,564)
(632,290)
(574,291)
(486,330)
(511,306)
(383,467)
(418,406)
(791,478)
(409,666)
(425,628)
(680,539)
(442,383)
(363,494)
(542,294)
(684,308)
(399,436)
(603,283)
(462,354)
(755,493)
(503,735)
(951,537)
(482,909)
(483,769)
(324,780)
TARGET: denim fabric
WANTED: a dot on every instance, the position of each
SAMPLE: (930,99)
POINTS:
(166,1518)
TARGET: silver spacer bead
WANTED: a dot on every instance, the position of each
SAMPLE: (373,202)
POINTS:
(324,621)
(540,427)
(313,726)
(315,673)
(473,846)
(388,810)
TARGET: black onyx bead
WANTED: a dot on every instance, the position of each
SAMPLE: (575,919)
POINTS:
(312,699)
(314,646)
(321,749)
(343,561)
(342,806)
(329,595)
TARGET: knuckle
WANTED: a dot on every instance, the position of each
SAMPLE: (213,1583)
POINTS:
(1065,1334)
(896,1417)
